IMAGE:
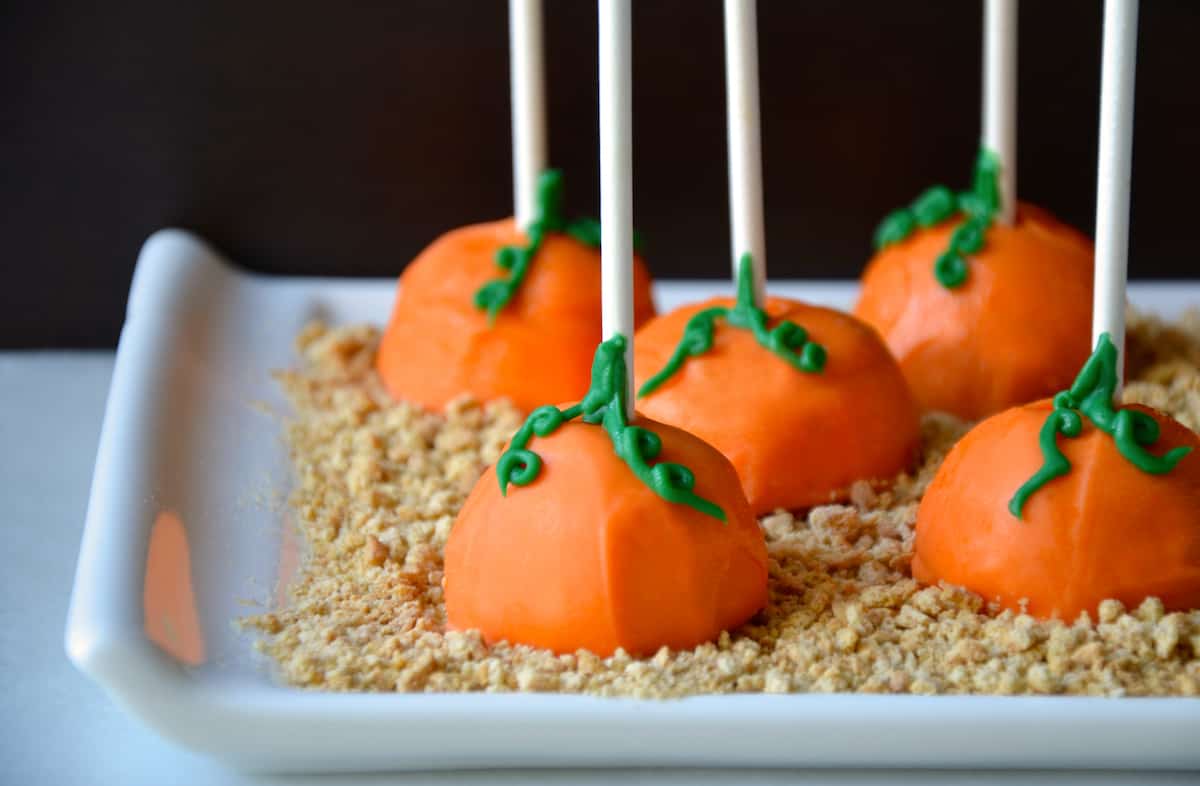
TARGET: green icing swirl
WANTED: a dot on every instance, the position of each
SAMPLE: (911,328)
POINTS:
(939,203)
(786,340)
(496,294)
(605,404)
(1091,396)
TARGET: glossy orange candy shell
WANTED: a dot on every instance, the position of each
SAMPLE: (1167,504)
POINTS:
(797,439)
(1104,530)
(438,345)
(588,557)
(1015,331)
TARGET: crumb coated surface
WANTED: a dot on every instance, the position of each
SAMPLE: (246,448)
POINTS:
(377,486)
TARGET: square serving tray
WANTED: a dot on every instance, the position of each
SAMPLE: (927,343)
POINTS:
(187,437)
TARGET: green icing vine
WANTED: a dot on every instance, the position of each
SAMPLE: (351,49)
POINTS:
(787,339)
(939,203)
(496,294)
(605,404)
(1091,396)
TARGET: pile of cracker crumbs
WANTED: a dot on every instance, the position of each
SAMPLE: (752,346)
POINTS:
(378,485)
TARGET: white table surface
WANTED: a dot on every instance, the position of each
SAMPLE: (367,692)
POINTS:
(56,727)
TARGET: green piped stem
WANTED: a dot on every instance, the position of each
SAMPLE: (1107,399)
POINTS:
(787,340)
(605,405)
(1091,396)
(935,205)
(496,294)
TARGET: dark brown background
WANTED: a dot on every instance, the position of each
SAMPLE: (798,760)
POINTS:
(338,138)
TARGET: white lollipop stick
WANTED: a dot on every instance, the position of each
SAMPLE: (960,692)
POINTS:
(528,85)
(616,178)
(1000,98)
(1112,186)
(745,141)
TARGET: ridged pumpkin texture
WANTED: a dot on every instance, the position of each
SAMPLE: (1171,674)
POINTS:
(1104,530)
(588,557)
(797,439)
(1014,332)
(439,345)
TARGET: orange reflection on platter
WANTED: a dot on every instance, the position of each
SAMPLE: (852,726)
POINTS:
(168,599)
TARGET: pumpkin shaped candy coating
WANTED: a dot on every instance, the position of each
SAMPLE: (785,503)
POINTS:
(497,312)
(1059,505)
(803,400)
(960,299)
(601,534)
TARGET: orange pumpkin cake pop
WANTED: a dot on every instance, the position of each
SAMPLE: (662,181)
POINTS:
(495,312)
(960,299)
(803,400)
(587,544)
(1019,515)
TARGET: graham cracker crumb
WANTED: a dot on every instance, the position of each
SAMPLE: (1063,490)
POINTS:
(378,484)
(375,552)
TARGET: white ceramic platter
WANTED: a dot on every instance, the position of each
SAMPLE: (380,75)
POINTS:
(183,435)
